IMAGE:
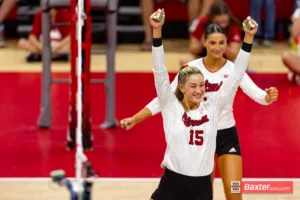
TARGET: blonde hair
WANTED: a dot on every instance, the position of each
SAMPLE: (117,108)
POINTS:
(184,73)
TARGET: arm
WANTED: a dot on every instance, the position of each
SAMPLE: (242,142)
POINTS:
(6,7)
(221,98)
(253,91)
(153,106)
(161,76)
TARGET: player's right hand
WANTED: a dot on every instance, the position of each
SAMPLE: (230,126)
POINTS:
(127,123)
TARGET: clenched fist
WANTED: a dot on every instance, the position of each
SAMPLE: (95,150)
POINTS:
(272,94)
(127,123)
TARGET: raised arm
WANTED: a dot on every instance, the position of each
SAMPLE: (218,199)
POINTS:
(153,106)
(161,76)
(221,98)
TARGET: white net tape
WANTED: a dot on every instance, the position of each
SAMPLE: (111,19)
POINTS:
(80,157)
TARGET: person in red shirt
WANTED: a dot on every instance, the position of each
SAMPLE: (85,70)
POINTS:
(60,36)
(219,14)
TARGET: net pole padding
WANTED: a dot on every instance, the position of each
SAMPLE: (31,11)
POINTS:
(73,86)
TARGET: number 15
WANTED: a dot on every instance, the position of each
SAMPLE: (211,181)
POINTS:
(196,137)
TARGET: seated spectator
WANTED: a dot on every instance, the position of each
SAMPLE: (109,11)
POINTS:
(292,60)
(60,36)
(197,8)
(5,8)
(219,14)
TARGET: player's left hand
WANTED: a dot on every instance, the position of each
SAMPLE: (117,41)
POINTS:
(157,19)
(250,26)
(272,95)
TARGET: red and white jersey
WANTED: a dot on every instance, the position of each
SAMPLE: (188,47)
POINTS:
(191,135)
(213,82)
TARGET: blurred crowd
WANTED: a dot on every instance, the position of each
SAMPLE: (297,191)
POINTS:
(200,14)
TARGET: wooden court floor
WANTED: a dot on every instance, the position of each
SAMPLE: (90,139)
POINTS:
(112,190)
(128,59)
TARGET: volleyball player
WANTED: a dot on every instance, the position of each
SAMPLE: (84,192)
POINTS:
(190,124)
(216,73)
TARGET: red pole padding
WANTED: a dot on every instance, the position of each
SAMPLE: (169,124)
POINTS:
(73,85)
(87,141)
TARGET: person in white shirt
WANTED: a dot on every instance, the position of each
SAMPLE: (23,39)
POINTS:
(216,71)
(191,124)
(292,60)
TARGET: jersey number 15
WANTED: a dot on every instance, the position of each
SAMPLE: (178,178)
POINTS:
(196,137)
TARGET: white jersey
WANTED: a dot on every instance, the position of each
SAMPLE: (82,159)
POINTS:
(213,82)
(191,136)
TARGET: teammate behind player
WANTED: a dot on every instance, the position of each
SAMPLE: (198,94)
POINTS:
(216,70)
(190,125)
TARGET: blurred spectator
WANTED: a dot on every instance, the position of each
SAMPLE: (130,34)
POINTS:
(197,8)
(292,60)
(268,33)
(60,36)
(5,8)
(219,14)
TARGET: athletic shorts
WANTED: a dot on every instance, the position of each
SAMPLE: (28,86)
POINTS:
(228,142)
(174,186)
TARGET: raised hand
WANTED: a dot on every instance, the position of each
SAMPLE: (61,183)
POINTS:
(272,94)
(250,26)
(157,19)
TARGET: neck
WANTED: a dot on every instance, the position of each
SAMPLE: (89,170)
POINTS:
(189,105)
(213,64)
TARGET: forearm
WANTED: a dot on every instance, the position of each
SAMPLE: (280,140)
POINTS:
(33,39)
(5,8)
(142,115)
(253,91)
(242,60)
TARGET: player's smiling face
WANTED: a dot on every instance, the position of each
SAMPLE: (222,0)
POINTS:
(194,88)
(216,45)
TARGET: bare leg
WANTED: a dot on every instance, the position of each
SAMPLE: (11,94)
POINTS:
(28,46)
(147,7)
(292,62)
(230,167)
